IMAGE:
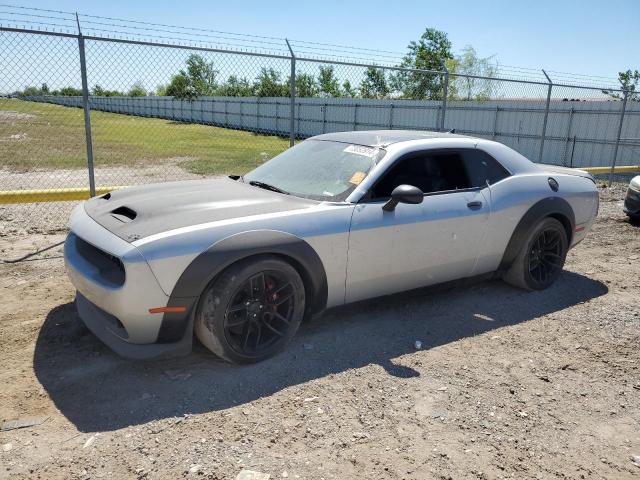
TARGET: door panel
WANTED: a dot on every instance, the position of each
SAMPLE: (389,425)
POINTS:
(415,245)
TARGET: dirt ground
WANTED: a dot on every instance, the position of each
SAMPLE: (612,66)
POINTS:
(507,384)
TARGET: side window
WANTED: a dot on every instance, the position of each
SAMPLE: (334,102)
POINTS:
(483,168)
(429,171)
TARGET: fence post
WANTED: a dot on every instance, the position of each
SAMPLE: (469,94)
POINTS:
(355,116)
(625,94)
(292,94)
(257,114)
(324,117)
(546,117)
(87,111)
(444,97)
(566,145)
(495,124)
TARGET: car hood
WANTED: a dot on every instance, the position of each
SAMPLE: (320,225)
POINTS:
(138,212)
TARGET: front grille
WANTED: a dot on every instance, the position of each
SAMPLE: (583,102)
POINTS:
(111,269)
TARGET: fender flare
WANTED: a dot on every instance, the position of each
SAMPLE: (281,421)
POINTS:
(222,254)
(556,207)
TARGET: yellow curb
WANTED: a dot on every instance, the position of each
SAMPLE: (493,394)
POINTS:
(51,195)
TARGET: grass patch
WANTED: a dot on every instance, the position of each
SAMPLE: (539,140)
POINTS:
(52,136)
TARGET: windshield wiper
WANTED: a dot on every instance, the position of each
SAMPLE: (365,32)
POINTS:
(266,186)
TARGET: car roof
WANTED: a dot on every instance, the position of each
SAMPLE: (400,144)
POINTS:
(381,138)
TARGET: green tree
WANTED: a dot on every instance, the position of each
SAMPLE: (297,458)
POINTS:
(31,92)
(101,92)
(306,85)
(374,84)
(137,90)
(430,52)
(468,63)
(202,75)
(268,84)
(180,87)
(45,89)
(200,79)
(329,86)
(348,90)
(235,87)
(70,92)
(630,81)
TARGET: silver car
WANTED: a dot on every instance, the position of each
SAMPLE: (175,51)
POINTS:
(632,199)
(338,218)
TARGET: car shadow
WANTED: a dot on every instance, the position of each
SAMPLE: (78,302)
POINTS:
(634,221)
(98,391)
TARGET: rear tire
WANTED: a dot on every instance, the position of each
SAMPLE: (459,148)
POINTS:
(540,261)
(252,310)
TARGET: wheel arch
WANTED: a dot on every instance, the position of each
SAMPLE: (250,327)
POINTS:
(221,255)
(554,207)
(566,222)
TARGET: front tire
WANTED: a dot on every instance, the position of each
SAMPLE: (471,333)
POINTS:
(541,259)
(252,310)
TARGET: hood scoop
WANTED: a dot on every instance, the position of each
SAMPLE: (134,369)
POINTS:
(124,214)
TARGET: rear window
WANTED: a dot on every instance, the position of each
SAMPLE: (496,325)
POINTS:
(482,168)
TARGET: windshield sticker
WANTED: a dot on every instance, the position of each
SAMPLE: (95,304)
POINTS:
(361,150)
(357,178)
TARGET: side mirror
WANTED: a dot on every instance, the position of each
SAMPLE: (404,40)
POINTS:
(403,194)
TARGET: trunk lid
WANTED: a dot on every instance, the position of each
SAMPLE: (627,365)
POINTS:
(551,169)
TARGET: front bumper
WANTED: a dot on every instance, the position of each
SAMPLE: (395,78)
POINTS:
(115,306)
(102,325)
(632,203)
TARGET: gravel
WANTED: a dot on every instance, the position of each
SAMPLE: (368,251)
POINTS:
(506,384)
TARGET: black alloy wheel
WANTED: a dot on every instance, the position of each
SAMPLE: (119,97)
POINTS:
(252,310)
(541,258)
(260,313)
(546,256)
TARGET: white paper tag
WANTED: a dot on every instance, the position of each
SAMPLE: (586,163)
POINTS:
(361,150)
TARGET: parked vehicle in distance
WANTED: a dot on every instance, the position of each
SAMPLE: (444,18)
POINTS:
(632,200)
(338,218)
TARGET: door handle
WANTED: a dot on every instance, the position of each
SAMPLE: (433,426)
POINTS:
(474,205)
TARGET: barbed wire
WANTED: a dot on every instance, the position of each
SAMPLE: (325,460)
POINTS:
(9,22)
(34,9)
(32,15)
(115,27)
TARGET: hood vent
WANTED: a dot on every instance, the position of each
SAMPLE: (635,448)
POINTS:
(124,214)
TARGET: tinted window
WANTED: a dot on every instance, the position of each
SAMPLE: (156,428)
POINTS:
(483,168)
(430,172)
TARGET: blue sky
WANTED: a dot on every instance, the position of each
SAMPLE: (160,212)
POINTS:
(588,37)
(582,37)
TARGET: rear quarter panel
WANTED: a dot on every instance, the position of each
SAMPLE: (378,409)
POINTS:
(582,195)
(512,197)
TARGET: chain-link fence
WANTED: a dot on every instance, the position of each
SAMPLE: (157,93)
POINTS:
(92,112)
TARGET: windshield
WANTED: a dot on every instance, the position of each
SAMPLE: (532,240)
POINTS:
(317,169)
